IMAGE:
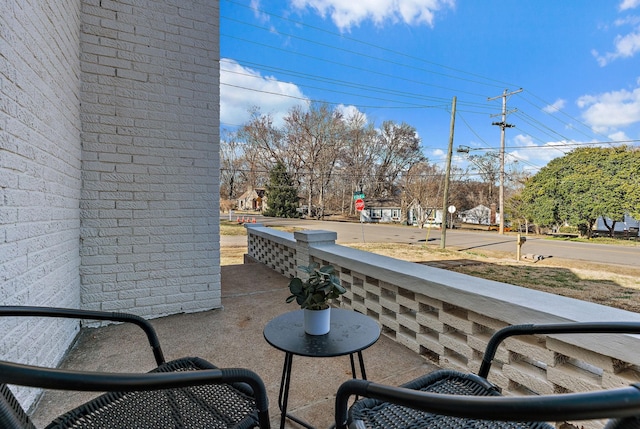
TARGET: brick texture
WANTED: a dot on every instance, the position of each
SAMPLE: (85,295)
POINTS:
(109,140)
(40,159)
(150,108)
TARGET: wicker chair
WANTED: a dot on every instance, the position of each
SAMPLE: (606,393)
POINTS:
(184,393)
(451,399)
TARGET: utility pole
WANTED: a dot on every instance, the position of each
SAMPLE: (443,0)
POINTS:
(445,202)
(502,124)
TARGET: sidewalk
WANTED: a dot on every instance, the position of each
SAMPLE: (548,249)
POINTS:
(252,294)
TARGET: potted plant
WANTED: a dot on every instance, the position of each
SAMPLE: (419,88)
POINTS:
(313,295)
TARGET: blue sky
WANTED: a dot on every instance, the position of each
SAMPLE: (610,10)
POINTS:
(576,61)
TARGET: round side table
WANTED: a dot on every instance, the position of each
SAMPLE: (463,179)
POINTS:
(350,333)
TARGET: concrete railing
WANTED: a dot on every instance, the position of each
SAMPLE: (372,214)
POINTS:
(448,317)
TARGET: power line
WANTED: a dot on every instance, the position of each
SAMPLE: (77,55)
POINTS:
(368,44)
(563,113)
(350,66)
(399,93)
(329,80)
(386,58)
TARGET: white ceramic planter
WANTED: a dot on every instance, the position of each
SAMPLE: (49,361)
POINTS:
(317,322)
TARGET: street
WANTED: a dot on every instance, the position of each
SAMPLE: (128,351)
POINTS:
(467,240)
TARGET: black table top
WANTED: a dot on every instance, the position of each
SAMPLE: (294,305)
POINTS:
(350,332)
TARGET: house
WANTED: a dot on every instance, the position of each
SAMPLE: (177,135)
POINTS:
(427,217)
(253,199)
(628,225)
(480,215)
(381,211)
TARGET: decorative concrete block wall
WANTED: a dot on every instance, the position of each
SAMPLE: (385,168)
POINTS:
(276,249)
(40,158)
(448,317)
(150,133)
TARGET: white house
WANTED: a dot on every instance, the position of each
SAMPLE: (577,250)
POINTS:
(381,211)
(429,217)
(480,215)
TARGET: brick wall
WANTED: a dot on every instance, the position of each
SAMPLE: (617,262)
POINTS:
(150,109)
(40,158)
(109,140)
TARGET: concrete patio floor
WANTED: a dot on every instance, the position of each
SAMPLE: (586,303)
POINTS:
(252,294)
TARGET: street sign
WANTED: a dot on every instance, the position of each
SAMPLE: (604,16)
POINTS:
(451,209)
(359,204)
(358,195)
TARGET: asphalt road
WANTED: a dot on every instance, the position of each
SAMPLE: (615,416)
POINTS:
(467,240)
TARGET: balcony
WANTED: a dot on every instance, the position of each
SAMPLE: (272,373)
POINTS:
(252,294)
(430,318)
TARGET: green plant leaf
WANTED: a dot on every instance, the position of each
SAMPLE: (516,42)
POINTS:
(296,286)
(320,286)
(327,269)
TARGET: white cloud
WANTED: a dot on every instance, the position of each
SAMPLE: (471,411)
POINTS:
(619,136)
(556,106)
(627,20)
(438,153)
(625,47)
(611,110)
(255,5)
(243,88)
(346,14)
(629,4)
(532,155)
(350,112)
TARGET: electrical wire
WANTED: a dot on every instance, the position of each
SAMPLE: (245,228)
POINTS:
(471,107)
(497,82)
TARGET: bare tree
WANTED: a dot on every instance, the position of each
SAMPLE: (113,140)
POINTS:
(422,185)
(231,155)
(314,137)
(357,154)
(264,139)
(488,167)
(398,147)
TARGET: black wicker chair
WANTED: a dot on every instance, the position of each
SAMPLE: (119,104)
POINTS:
(184,393)
(451,399)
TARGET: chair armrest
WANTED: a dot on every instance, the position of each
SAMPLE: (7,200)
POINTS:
(552,328)
(613,403)
(59,379)
(69,313)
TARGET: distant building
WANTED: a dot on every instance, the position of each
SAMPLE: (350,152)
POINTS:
(427,217)
(480,215)
(253,199)
(628,225)
(381,211)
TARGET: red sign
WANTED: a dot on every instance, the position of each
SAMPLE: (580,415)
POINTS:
(359,204)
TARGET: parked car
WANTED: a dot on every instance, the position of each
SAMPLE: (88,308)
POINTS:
(304,211)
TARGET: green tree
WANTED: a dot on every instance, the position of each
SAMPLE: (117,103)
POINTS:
(282,194)
(541,198)
(583,185)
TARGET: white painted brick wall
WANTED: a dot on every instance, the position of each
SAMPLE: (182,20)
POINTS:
(40,160)
(137,230)
(150,109)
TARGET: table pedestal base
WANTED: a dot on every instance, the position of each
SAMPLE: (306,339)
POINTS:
(285,383)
